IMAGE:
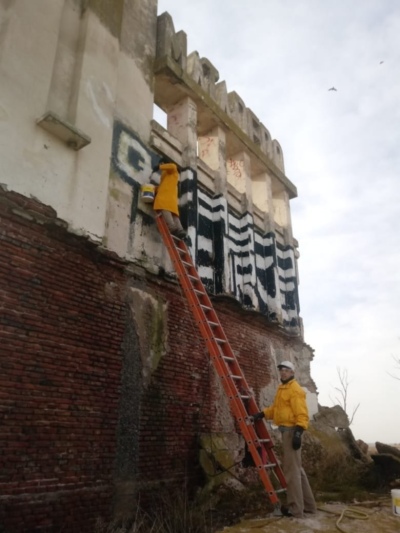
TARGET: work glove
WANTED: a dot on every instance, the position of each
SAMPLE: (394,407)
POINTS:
(258,416)
(296,441)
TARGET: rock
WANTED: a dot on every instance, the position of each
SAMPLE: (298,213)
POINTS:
(363,446)
(355,450)
(331,417)
(386,448)
(388,465)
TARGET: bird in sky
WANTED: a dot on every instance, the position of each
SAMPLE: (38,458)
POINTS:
(332,89)
(381,63)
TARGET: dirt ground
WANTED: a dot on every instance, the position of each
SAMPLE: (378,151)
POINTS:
(375,517)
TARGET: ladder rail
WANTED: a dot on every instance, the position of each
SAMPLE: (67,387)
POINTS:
(225,362)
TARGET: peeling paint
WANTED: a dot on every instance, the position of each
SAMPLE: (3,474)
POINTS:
(150,315)
(96,106)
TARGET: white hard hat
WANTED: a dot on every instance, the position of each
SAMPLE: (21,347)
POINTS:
(286,364)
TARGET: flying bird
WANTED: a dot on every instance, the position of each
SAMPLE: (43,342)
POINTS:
(381,63)
(332,89)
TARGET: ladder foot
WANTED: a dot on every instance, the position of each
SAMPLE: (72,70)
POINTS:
(277,510)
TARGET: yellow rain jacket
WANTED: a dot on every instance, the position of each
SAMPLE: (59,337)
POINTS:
(289,407)
(167,191)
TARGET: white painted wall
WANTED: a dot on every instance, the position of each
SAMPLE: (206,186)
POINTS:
(33,161)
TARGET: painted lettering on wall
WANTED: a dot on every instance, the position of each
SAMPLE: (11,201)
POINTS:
(232,255)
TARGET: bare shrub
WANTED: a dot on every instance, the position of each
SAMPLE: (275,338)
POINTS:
(176,514)
(170,512)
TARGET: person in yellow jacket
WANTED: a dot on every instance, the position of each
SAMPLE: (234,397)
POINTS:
(166,199)
(290,413)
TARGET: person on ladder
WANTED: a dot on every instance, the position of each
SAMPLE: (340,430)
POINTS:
(166,199)
(289,412)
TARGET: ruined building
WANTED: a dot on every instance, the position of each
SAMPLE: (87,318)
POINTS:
(105,384)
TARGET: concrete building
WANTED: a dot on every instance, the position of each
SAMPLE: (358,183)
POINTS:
(99,352)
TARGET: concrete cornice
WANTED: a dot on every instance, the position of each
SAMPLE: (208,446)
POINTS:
(172,83)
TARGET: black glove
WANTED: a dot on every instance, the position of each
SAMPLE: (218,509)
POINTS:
(296,441)
(258,416)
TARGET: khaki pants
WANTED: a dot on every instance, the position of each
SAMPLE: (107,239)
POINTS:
(299,495)
(173,222)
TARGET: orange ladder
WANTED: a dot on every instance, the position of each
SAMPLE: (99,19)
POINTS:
(241,399)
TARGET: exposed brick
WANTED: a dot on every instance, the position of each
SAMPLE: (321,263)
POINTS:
(61,337)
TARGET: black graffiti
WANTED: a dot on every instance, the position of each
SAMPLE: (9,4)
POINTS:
(224,241)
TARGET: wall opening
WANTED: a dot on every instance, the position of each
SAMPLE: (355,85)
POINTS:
(160,116)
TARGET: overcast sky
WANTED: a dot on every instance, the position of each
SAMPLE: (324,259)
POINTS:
(342,151)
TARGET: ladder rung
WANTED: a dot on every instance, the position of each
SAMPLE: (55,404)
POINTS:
(220,352)
(197,291)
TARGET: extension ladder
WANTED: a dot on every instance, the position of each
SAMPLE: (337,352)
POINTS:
(241,398)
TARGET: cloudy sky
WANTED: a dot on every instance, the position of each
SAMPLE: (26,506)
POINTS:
(342,151)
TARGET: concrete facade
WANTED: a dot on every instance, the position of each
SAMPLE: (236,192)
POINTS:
(79,81)
(89,97)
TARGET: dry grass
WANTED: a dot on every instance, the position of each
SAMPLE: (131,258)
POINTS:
(170,513)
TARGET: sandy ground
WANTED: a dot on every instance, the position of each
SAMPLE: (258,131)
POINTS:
(378,519)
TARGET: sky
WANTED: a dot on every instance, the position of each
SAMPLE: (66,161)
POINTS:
(342,151)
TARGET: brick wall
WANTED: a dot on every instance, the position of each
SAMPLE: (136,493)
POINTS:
(77,420)
(60,343)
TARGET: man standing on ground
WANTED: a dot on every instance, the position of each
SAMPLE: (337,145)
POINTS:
(289,412)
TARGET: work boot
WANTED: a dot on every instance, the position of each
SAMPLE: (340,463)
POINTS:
(286,512)
(181,234)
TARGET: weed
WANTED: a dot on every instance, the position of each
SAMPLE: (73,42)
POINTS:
(169,513)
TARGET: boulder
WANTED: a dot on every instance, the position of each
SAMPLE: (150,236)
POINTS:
(331,417)
(353,446)
(386,448)
(363,446)
(388,466)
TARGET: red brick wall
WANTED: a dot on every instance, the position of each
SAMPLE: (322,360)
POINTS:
(60,365)
(76,420)
(176,407)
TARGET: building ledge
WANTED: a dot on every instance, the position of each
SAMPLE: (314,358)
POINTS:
(172,83)
(63,130)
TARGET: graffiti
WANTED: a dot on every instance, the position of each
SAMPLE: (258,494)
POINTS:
(231,255)
(236,167)
(234,258)
(175,124)
(206,144)
(130,157)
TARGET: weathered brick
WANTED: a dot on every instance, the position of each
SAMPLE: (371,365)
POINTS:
(61,338)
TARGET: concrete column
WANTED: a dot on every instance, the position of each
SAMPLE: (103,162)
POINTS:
(182,124)
(239,176)
(282,214)
(262,198)
(212,150)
